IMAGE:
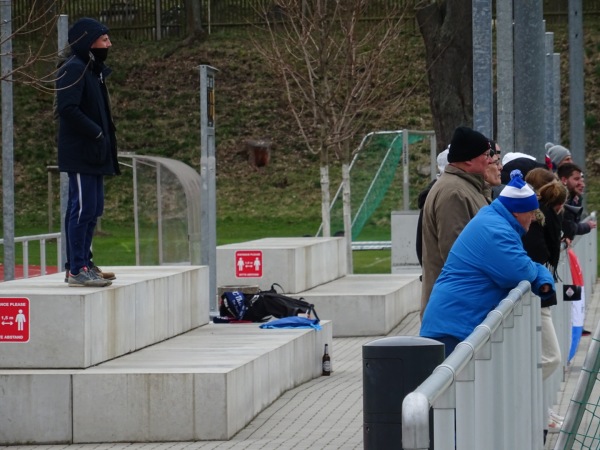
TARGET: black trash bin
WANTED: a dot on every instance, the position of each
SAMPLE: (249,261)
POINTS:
(393,367)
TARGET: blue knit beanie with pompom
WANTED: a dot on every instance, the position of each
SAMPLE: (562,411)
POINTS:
(518,196)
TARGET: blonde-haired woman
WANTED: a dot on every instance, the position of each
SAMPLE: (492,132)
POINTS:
(542,244)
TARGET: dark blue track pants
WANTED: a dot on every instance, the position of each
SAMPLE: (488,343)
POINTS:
(86,204)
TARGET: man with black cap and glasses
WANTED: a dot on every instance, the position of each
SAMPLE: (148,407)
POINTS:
(453,201)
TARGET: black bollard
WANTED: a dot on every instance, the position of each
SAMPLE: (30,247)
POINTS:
(393,367)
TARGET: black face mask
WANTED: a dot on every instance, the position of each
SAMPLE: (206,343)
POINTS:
(100,54)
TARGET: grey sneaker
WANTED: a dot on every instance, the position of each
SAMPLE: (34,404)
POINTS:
(102,274)
(98,276)
(85,279)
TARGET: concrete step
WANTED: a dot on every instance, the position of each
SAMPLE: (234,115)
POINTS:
(73,327)
(404,238)
(366,305)
(206,384)
(297,264)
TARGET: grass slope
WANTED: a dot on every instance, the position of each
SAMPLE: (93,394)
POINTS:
(156,108)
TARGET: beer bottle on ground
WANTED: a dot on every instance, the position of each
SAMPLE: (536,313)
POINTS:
(326,363)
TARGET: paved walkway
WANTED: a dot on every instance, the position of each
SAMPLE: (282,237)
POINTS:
(326,413)
(592,319)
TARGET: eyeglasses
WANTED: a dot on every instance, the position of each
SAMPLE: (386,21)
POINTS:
(490,152)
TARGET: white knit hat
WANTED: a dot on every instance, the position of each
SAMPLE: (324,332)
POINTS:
(442,160)
(510,156)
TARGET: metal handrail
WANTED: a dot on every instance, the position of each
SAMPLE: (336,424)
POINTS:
(440,386)
(42,238)
(490,388)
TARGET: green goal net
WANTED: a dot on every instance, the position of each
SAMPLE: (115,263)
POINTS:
(373,171)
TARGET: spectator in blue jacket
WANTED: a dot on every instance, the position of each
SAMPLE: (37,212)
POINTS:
(87,146)
(485,263)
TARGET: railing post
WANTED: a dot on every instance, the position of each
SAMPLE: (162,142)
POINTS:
(25,259)
(536,372)
(509,379)
(483,401)
(465,406)
(42,256)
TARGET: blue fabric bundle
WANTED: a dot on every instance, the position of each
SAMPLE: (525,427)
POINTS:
(293,322)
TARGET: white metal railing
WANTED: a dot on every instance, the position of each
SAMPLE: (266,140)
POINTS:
(489,392)
(580,405)
(492,378)
(42,239)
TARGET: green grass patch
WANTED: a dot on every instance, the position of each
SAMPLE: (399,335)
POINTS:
(372,261)
(114,243)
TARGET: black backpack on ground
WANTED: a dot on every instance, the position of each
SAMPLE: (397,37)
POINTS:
(265,304)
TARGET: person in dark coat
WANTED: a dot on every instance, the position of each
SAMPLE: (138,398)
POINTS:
(542,243)
(453,201)
(519,161)
(87,145)
(442,162)
(571,176)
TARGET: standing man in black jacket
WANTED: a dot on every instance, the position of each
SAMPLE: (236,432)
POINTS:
(87,146)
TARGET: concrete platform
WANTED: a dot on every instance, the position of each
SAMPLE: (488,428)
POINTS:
(366,305)
(296,263)
(80,327)
(206,384)
(327,412)
(404,238)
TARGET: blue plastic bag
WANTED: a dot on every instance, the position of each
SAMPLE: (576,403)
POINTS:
(293,322)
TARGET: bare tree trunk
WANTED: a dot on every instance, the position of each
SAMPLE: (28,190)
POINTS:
(347,212)
(325,197)
(446,27)
(195,32)
(194,19)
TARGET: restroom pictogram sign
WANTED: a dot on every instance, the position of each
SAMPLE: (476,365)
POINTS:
(248,264)
(14,319)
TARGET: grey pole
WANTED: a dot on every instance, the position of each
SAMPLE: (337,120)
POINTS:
(557,96)
(158,20)
(483,101)
(8,178)
(208,170)
(529,78)
(576,100)
(63,42)
(504,73)
(549,89)
(159,215)
(136,219)
(405,176)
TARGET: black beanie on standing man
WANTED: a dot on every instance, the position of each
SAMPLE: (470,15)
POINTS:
(467,144)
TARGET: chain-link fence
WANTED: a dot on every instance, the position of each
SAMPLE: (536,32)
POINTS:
(156,19)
